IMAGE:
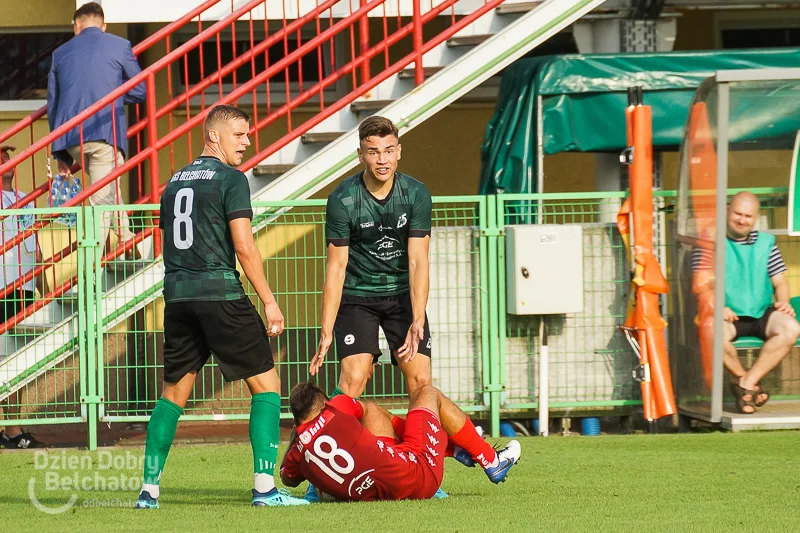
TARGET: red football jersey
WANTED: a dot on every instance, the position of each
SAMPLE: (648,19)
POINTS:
(341,458)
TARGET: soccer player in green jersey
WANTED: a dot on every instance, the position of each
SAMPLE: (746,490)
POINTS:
(378,227)
(205,218)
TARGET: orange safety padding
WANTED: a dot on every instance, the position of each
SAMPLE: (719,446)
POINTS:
(705,333)
(702,184)
(658,399)
(651,326)
(641,180)
(702,172)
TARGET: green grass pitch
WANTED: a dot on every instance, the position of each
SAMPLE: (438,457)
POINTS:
(671,483)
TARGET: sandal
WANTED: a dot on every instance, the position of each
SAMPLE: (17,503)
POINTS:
(739,393)
(760,392)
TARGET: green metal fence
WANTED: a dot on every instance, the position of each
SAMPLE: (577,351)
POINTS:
(43,374)
(95,355)
(591,361)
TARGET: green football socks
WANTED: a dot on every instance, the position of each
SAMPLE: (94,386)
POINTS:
(160,434)
(265,414)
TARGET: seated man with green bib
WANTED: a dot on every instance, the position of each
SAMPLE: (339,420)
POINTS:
(756,301)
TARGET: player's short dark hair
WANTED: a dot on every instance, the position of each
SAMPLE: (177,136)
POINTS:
(223,113)
(376,126)
(305,399)
(92,9)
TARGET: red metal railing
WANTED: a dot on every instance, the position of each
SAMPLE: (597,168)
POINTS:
(303,64)
(27,123)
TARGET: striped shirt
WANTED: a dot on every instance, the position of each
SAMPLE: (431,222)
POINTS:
(703,259)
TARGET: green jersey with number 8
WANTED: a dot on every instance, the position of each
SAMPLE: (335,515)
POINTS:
(199,257)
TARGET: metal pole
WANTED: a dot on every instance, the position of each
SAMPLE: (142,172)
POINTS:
(722,230)
(494,310)
(544,380)
(363,26)
(152,138)
(88,340)
(485,222)
(539,159)
(419,74)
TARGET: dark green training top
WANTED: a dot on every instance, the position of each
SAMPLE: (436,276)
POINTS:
(197,204)
(377,232)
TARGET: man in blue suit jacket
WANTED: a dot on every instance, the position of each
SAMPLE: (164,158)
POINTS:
(84,70)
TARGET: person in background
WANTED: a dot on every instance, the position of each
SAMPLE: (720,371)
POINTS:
(16,263)
(753,262)
(72,87)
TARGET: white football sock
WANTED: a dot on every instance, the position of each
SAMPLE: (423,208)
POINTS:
(154,490)
(264,482)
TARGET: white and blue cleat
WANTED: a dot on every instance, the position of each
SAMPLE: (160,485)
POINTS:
(506,458)
(276,498)
(440,494)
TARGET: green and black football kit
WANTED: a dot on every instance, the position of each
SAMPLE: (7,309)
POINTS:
(376,286)
(206,308)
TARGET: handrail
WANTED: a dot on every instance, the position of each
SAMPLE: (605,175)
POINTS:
(236,63)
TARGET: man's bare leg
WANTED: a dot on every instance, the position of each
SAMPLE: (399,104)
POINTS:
(416,372)
(356,370)
(730,356)
(782,333)
(382,423)
(265,382)
(378,421)
(178,393)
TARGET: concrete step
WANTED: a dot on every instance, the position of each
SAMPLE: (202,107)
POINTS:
(467,40)
(369,105)
(511,8)
(320,137)
(272,170)
(408,73)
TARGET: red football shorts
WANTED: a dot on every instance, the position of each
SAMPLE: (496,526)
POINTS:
(425,440)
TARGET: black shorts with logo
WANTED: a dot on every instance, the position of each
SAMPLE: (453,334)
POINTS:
(232,330)
(356,327)
(748,326)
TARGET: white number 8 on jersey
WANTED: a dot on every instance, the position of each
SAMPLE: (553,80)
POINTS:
(328,461)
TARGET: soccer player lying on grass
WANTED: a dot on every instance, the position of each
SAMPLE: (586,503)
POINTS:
(357,451)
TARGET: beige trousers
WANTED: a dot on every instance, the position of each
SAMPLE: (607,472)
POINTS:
(98,162)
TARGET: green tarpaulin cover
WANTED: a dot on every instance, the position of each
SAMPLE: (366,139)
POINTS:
(584,99)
